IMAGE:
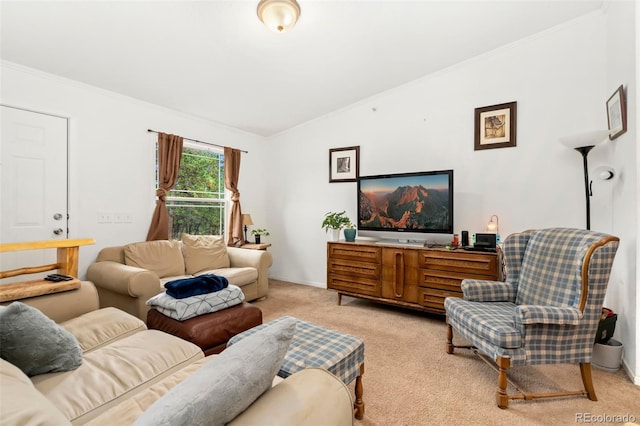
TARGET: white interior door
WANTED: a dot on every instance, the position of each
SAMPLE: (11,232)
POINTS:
(33,184)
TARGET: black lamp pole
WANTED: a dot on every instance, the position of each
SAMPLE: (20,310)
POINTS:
(584,150)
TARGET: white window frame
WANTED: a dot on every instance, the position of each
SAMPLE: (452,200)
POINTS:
(226,201)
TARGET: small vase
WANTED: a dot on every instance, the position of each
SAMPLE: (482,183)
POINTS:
(334,235)
(257,239)
(350,235)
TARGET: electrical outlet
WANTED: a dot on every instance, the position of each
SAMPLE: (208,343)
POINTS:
(123,217)
(104,217)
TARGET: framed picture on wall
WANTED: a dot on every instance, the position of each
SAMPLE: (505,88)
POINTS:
(617,114)
(344,164)
(495,126)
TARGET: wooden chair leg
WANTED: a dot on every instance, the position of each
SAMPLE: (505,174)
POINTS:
(501,395)
(585,371)
(358,405)
(449,339)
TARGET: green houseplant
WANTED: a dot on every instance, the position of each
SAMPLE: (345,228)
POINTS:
(258,232)
(335,221)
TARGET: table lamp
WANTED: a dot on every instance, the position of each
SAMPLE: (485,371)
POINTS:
(246,221)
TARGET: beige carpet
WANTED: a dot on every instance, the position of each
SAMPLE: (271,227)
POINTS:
(410,380)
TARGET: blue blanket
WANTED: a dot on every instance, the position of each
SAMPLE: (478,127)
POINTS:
(202,284)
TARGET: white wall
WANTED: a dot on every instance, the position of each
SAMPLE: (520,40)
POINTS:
(112,157)
(621,48)
(556,77)
(561,80)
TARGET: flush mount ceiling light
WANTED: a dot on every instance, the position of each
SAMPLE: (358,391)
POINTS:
(279,16)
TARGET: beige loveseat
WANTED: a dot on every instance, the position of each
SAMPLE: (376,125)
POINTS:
(127,276)
(126,368)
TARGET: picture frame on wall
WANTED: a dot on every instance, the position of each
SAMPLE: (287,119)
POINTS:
(344,164)
(495,126)
(617,113)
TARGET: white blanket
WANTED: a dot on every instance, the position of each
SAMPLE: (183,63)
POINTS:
(189,307)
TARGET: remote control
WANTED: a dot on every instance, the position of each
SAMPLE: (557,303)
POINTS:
(58,278)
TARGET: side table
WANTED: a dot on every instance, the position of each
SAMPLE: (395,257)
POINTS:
(252,246)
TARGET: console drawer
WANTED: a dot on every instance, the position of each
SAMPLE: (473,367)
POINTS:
(434,298)
(446,280)
(353,268)
(353,251)
(474,263)
(354,285)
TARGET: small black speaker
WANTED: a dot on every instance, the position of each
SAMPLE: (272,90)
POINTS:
(465,238)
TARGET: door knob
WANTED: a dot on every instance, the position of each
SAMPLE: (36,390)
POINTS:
(57,216)
(58,231)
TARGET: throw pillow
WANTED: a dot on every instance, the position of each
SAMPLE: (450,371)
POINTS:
(225,387)
(204,253)
(34,343)
(162,257)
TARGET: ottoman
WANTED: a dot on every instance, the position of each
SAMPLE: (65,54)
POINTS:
(209,331)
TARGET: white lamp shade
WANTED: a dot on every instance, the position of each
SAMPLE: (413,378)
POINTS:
(246,220)
(492,226)
(578,140)
(279,15)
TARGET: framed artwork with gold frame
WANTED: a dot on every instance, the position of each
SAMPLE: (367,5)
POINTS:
(495,126)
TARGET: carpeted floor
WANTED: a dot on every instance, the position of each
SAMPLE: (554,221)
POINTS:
(410,380)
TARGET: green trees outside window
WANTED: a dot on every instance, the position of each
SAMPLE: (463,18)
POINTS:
(196,205)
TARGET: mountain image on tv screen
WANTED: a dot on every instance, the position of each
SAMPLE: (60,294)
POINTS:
(411,203)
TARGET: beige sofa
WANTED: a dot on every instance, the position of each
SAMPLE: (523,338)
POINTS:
(126,368)
(127,276)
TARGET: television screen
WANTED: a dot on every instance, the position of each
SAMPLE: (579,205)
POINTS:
(406,202)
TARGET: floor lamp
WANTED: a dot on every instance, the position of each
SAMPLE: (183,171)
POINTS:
(584,143)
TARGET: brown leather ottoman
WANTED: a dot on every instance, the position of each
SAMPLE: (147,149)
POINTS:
(210,331)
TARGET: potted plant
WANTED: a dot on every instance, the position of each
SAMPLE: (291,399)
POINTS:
(335,221)
(258,232)
(350,232)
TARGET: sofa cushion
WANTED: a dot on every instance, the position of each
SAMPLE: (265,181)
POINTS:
(225,387)
(164,257)
(237,276)
(35,343)
(115,372)
(99,328)
(318,395)
(128,410)
(204,252)
(21,403)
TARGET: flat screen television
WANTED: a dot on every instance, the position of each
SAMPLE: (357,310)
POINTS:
(406,202)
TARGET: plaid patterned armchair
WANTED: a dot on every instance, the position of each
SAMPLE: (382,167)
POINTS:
(545,312)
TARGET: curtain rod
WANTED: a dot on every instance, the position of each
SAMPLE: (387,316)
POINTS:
(195,140)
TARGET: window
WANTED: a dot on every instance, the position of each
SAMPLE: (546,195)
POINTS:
(196,204)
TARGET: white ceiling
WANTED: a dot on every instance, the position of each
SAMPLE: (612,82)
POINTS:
(215,59)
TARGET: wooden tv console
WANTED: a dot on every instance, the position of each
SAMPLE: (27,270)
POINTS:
(414,277)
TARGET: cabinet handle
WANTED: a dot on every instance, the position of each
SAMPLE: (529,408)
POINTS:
(398,274)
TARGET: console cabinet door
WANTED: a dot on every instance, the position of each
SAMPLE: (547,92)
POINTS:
(399,274)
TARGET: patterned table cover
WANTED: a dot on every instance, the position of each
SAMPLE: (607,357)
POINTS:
(316,346)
